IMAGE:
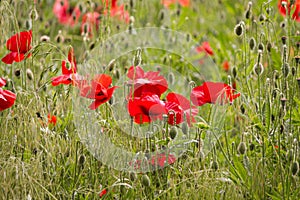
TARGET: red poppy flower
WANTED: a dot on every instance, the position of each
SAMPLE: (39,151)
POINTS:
(295,6)
(19,44)
(205,47)
(69,75)
(117,11)
(7,98)
(161,159)
(211,92)
(226,66)
(90,21)
(146,108)
(65,14)
(183,3)
(102,193)
(181,107)
(146,82)
(98,90)
(52,119)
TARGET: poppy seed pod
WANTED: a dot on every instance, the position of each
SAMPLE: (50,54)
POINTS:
(239,29)
(145,180)
(295,168)
(173,132)
(29,74)
(242,148)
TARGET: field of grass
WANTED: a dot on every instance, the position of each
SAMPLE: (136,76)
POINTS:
(246,149)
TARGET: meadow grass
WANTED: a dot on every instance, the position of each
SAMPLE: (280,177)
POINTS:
(256,156)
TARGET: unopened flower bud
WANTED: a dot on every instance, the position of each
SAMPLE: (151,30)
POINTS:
(132,176)
(252,43)
(242,148)
(295,168)
(239,29)
(214,165)
(145,180)
(173,132)
(185,128)
(17,73)
(29,74)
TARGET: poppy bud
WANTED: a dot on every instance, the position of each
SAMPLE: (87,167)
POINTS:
(293,71)
(44,38)
(262,18)
(239,29)
(283,102)
(298,80)
(111,100)
(234,72)
(258,68)
(290,155)
(252,43)
(268,10)
(294,168)
(81,160)
(171,78)
(298,45)
(246,162)
(261,47)
(283,39)
(173,132)
(242,148)
(131,4)
(59,38)
(132,176)
(29,74)
(185,128)
(285,69)
(214,165)
(17,73)
(297,59)
(145,180)
(28,24)
(33,14)
(269,46)
(251,146)
(201,156)
(242,109)
(92,46)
